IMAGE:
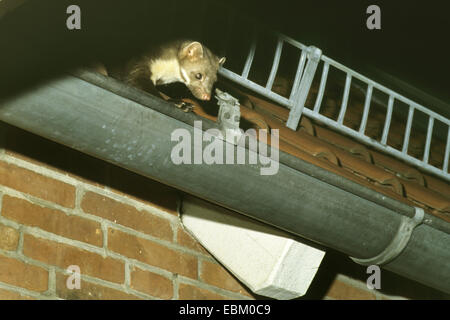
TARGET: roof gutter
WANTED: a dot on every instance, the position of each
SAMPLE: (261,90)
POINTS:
(119,124)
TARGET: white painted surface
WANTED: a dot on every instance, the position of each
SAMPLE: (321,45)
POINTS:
(268,261)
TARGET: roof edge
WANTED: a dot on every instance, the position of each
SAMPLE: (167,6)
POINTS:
(119,124)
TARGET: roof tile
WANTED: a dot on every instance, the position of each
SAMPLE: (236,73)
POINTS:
(353,160)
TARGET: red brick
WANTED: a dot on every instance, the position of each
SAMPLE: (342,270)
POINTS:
(9,238)
(126,215)
(152,253)
(185,239)
(343,291)
(151,283)
(18,273)
(214,274)
(189,292)
(11,295)
(38,185)
(89,291)
(51,220)
(62,255)
(34,161)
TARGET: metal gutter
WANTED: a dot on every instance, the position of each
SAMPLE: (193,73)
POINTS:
(119,124)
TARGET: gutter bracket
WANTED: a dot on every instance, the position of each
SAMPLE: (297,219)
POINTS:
(229,116)
(398,243)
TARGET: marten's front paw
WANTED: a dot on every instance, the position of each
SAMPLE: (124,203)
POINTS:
(184,106)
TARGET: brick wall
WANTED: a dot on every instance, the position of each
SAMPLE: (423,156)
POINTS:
(59,208)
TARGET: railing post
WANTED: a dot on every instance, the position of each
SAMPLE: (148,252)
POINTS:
(314,55)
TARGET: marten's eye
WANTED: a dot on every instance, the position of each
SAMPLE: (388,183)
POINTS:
(199,76)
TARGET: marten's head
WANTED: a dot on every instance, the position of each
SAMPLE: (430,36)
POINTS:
(198,67)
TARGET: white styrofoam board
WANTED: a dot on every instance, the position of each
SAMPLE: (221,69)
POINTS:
(268,261)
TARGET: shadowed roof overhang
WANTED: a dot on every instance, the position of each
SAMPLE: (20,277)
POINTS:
(124,126)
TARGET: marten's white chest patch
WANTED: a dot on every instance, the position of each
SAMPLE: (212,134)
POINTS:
(165,71)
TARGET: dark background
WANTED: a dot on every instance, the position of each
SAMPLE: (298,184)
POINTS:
(412,44)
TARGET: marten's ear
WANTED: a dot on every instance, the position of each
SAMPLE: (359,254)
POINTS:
(222,61)
(192,51)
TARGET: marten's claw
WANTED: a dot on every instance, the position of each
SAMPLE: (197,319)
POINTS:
(184,106)
(187,107)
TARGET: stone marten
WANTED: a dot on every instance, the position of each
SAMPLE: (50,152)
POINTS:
(185,61)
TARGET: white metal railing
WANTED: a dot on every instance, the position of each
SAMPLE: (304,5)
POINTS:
(309,60)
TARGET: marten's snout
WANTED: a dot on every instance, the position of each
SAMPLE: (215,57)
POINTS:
(200,93)
(205,96)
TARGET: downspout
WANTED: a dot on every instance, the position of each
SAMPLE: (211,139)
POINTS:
(119,124)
